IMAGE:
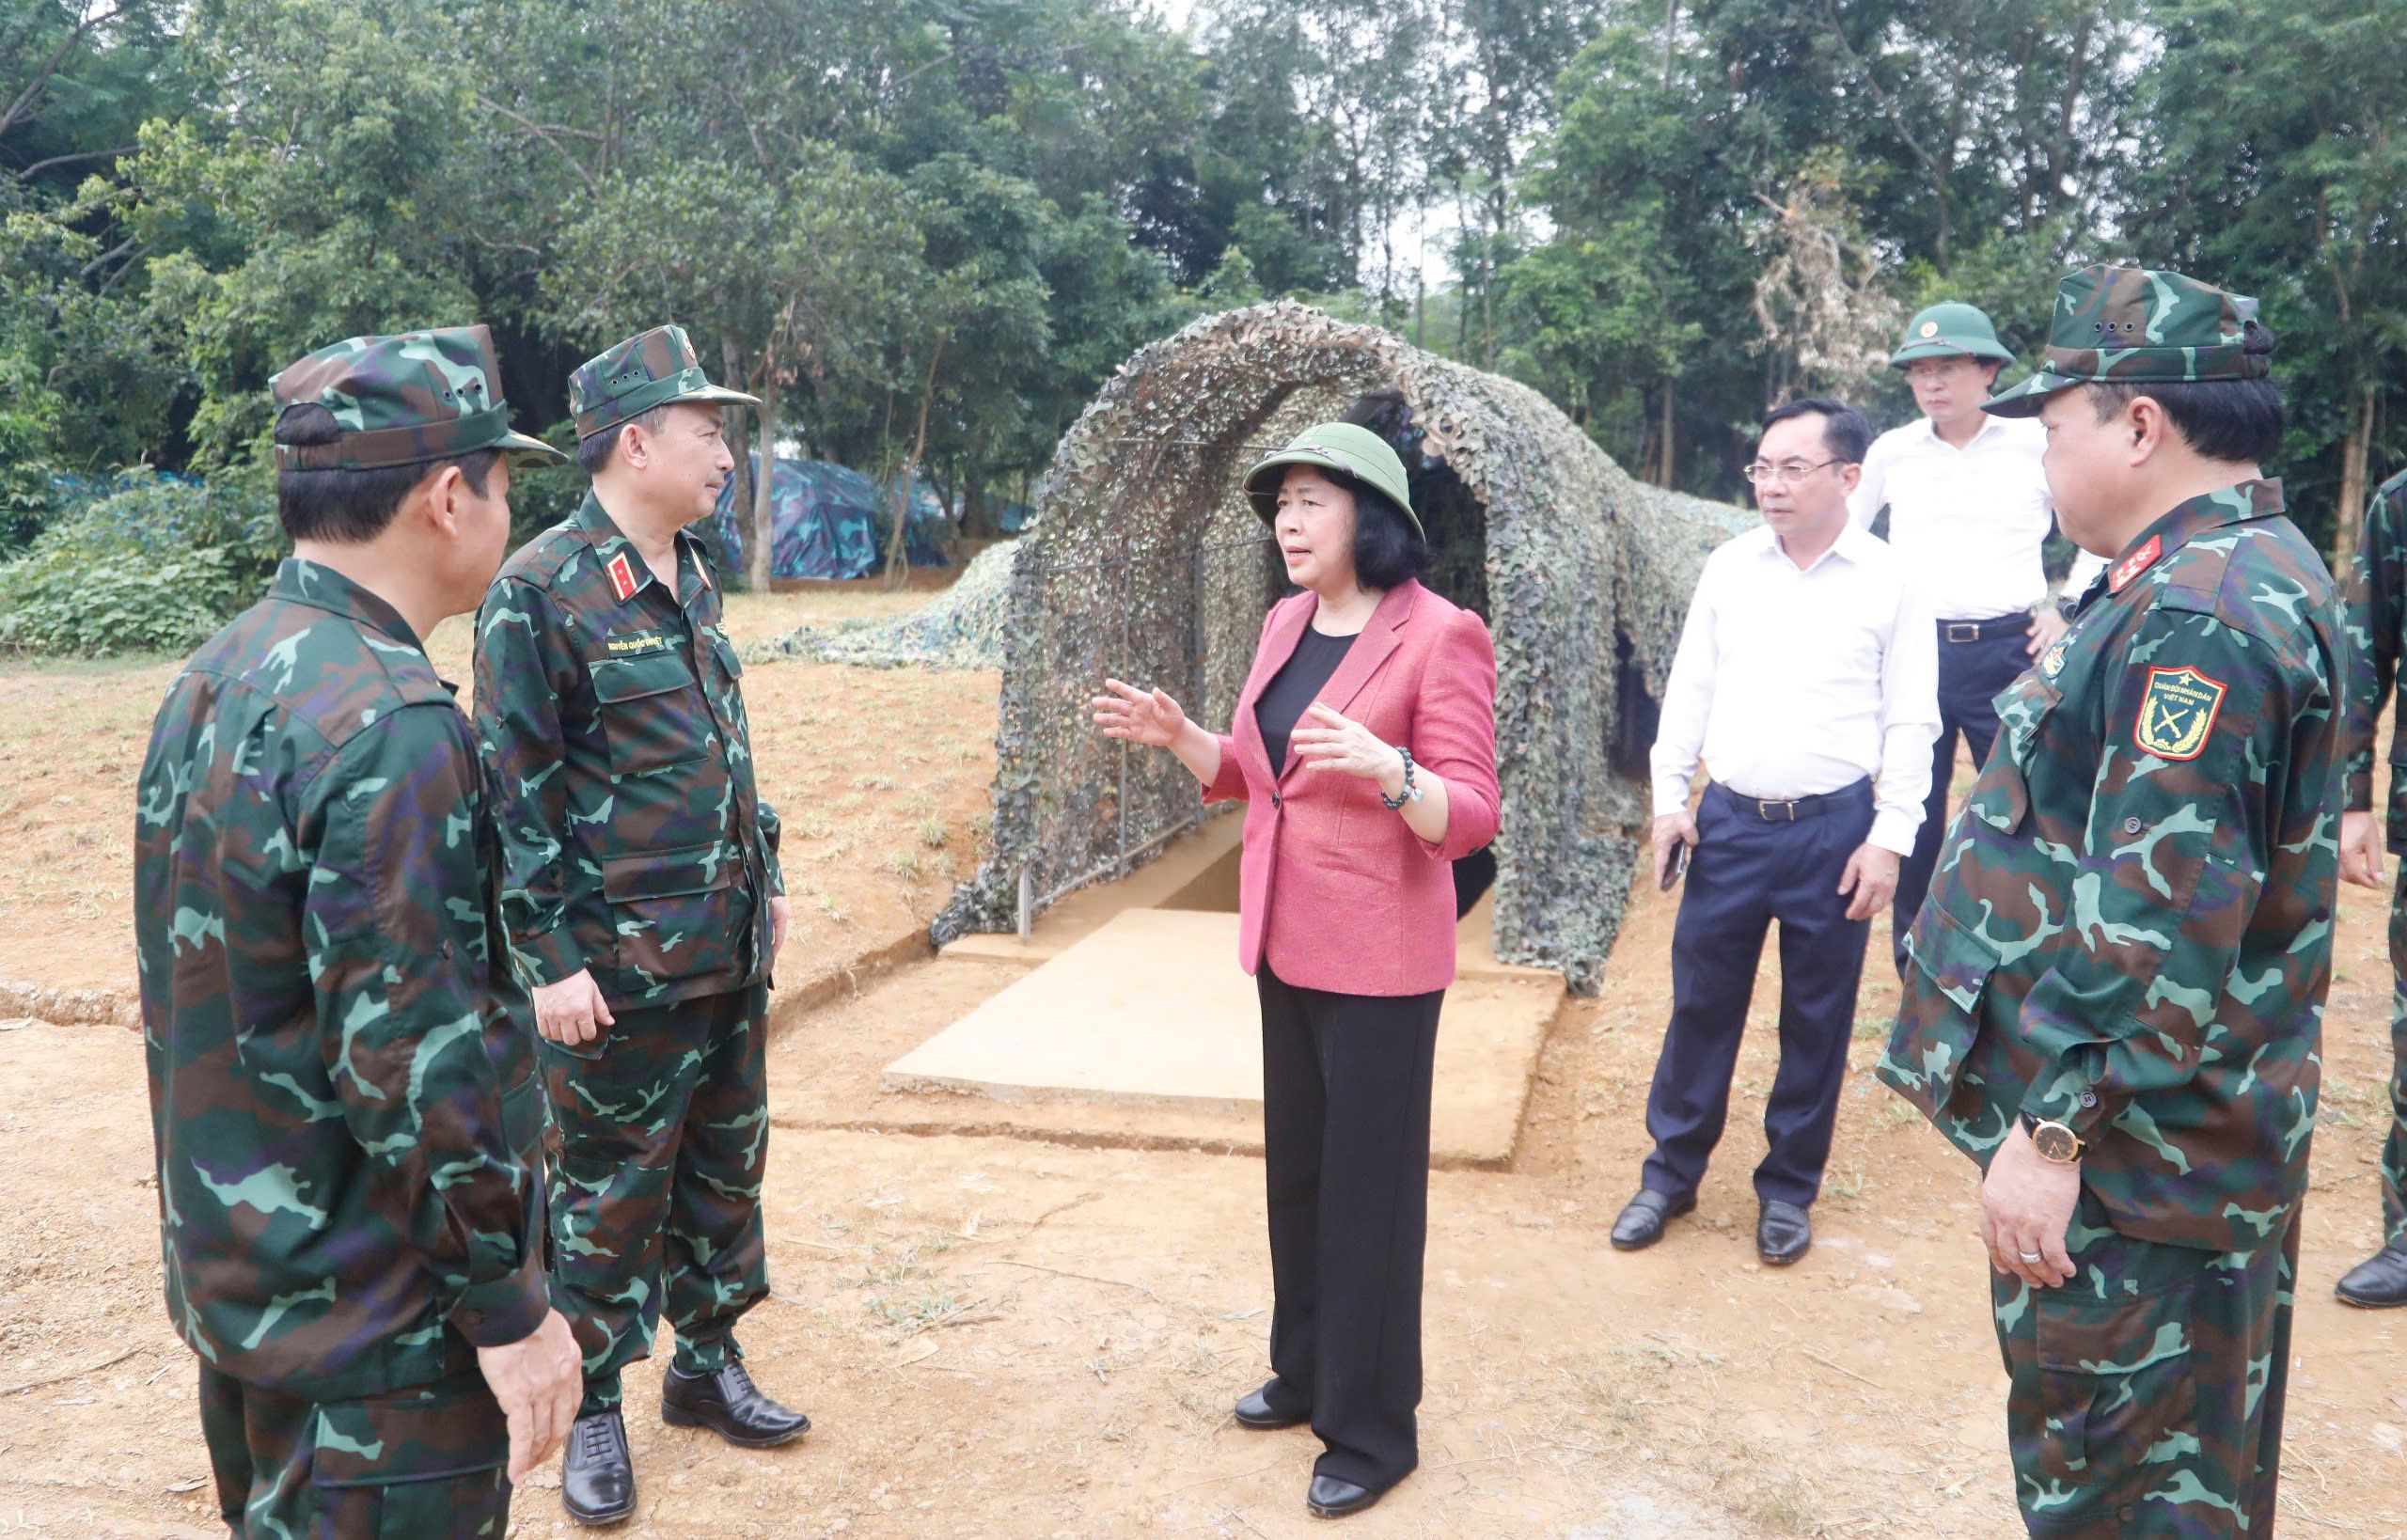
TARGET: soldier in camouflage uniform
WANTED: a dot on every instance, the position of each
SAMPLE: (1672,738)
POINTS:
(2377,632)
(639,885)
(343,1112)
(2115,1000)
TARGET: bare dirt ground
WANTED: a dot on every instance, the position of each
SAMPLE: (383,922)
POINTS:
(1007,1337)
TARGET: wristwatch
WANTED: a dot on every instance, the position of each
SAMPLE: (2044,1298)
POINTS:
(2057,1144)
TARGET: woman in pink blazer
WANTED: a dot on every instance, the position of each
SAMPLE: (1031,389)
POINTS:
(1365,748)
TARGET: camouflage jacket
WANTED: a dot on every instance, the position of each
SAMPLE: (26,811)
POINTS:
(633,843)
(2130,928)
(2377,630)
(337,1096)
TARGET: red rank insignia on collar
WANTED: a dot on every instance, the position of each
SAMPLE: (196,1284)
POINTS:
(2133,565)
(622,576)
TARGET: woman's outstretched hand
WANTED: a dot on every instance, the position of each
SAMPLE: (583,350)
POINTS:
(1337,742)
(1140,717)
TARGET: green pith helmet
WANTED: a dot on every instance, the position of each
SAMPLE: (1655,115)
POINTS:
(1339,446)
(1949,330)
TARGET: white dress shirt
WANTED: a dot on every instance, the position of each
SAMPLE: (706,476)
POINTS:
(1968,523)
(1796,681)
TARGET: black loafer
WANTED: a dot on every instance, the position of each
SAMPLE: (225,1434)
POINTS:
(597,1477)
(1641,1224)
(730,1404)
(1256,1410)
(2378,1282)
(1782,1233)
(1329,1497)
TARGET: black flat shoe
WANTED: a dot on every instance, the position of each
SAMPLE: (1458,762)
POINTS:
(1329,1497)
(1255,1410)
(2378,1282)
(730,1404)
(597,1477)
(1783,1233)
(1641,1224)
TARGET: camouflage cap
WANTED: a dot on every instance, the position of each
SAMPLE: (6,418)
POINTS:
(651,368)
(2136,325)
(403,401)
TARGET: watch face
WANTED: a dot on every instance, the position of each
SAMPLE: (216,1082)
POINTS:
(2054,1142)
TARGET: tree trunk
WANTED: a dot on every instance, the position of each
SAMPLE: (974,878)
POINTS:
(1670,394)
(2347,519)
(896,567)
(739,442)
(764,506)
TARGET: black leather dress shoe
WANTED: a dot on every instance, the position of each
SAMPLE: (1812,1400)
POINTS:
(1782,1233)
(1641,1224)
(1329,1497)
(2378,1282)
(598,1479)
(730,1404)
(1255,1410)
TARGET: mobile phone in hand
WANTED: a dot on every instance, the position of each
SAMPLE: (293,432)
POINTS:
(1679,867)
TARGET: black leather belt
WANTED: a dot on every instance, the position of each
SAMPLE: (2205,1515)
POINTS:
(1789,810)
(1973,631)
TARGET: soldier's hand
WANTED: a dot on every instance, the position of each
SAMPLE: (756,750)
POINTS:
(778,909)
(1673,830)
(2027,1206)
(539,1380)
(2048,627)
(573,1010)
(1871,875)
(2361,849)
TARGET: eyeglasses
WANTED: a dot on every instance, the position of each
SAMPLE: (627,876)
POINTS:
(1788,470)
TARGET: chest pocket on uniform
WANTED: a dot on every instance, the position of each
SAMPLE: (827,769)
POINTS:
(652,711)
(2001,797)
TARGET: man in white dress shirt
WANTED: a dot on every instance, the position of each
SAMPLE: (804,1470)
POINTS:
(1968,514)
(1806,680)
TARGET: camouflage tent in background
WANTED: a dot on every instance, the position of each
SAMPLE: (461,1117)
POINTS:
(1145,563)
(829,521)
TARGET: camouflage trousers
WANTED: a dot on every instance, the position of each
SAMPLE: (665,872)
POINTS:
(2146,1395)
(430,1460)
(2393,1149)
(659,1131)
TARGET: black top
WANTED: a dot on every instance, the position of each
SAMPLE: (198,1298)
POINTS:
(1293,687)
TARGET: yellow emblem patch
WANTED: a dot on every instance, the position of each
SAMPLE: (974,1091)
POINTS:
(2177,712)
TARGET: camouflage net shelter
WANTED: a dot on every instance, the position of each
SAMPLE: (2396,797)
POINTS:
(1144,562)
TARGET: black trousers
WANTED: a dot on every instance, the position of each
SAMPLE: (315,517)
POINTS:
(1971,674)
(1345,1135)
(1746,873)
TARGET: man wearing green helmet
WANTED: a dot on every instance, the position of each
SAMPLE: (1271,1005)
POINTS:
(1968,512)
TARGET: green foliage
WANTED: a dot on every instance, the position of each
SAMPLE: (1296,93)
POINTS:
(156,566)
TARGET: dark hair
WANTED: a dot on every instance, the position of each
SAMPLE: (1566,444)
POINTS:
(594,452)
(1845,435)
(350,507)
(2235,420)
(1386,551)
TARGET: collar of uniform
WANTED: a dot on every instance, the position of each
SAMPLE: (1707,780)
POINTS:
(1850,545)
(1989,427)
(609,540)
(323,588)
(2234,504)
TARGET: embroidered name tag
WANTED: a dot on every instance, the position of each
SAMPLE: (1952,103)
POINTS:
(634,644)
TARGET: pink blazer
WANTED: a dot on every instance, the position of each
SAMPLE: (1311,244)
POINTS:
(1335,890)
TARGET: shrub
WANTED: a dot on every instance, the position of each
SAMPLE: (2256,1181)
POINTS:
(158,565)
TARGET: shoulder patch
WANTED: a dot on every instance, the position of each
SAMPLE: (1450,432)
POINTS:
(2176,713)
(2131,566)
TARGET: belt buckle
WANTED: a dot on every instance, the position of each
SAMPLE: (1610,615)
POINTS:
(1765,806)
(1963,631)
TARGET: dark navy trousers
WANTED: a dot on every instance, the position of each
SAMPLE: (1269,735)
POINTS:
(1971,674)
(1746,873)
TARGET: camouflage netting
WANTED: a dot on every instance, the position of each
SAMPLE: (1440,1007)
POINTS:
(960,628)
(1144,562)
